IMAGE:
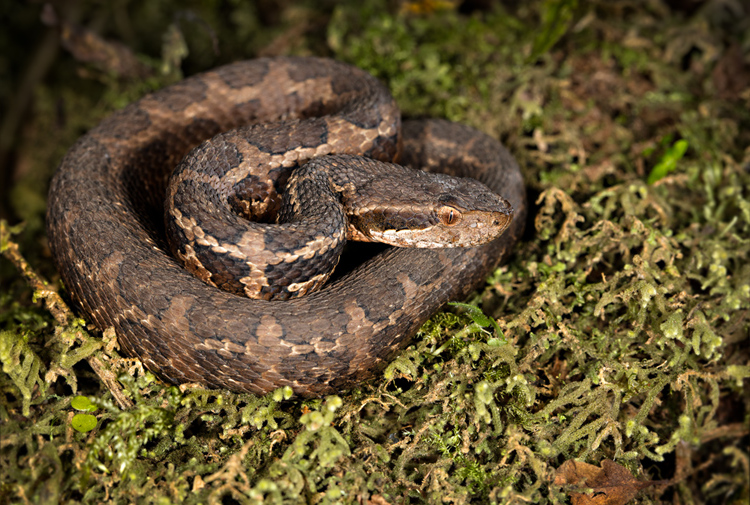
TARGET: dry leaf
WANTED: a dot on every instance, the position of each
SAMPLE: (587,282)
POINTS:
(88,47)
(612,484)
(731,75)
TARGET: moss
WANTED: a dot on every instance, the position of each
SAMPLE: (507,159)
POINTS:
(618,331)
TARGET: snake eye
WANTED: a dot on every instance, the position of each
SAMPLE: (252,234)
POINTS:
(449,215)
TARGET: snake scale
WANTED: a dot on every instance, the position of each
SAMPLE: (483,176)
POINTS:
(105,223)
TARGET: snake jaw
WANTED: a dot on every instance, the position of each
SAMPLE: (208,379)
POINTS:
(475,228)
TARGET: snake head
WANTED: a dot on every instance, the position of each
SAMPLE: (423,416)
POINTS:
(430,210)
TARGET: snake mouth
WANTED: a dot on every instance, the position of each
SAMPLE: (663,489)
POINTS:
(476,228)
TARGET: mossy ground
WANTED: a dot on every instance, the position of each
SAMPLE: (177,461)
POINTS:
(618,331)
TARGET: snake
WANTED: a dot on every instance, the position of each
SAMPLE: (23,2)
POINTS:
(107,230)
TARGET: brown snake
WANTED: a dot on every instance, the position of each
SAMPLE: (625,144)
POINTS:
(105,227)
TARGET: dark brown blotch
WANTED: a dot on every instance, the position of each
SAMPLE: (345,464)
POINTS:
(182,95)
(244,74)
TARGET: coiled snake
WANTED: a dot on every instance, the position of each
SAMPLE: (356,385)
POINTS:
(105,223)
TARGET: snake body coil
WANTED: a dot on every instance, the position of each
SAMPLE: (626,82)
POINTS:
(106,232)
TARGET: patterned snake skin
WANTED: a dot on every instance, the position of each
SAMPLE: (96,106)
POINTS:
(105,224)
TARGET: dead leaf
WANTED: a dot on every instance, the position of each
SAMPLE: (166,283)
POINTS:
(612,484)
(731,75)
(88,47)
(377,499)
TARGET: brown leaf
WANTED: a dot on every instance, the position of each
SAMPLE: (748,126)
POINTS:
(377,499)
(731,75)
(612,484)
(88,47)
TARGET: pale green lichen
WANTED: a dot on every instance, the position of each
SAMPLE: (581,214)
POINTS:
(22,366)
